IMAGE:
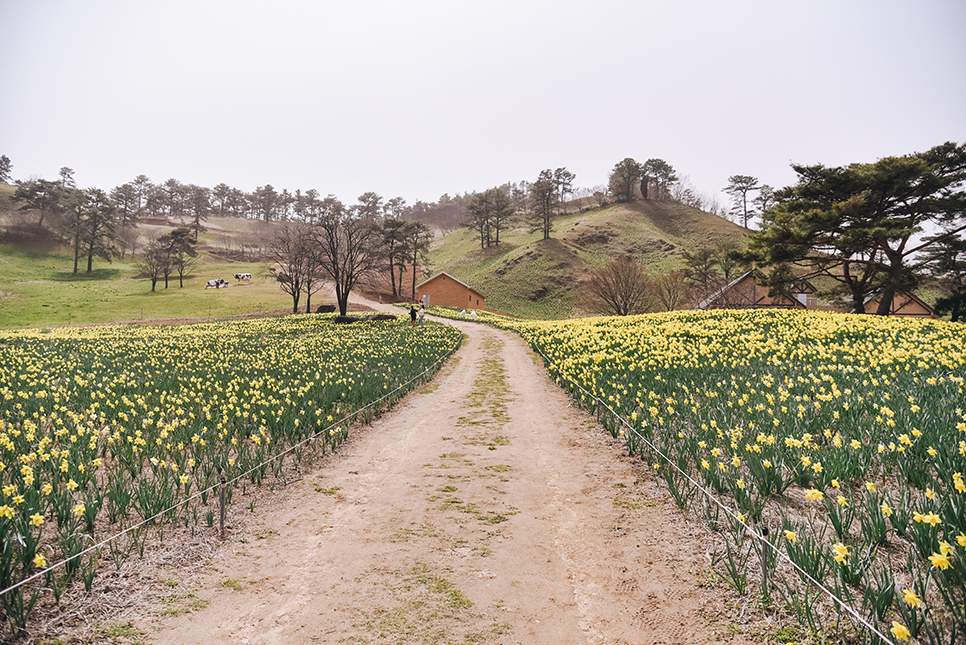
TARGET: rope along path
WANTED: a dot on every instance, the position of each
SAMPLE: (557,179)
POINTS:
(353,414)
(711,497)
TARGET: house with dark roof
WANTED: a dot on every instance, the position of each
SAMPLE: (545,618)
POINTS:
(745,293)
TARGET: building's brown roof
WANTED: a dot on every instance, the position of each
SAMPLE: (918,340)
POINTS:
(443,273)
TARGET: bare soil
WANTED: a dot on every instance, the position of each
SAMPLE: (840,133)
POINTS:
(483,509)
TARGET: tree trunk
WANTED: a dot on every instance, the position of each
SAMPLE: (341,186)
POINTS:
(342,298)
(392,276)
(858,295)
(885,301)
(76,251)
(415,258)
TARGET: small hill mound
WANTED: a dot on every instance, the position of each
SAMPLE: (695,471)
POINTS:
(535,278)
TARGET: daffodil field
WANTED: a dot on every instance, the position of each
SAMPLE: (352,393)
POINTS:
(840,439)
(108,429)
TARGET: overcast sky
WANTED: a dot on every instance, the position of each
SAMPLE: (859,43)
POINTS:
(416,98)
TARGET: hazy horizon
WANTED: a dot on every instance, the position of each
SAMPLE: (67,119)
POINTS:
(423,98)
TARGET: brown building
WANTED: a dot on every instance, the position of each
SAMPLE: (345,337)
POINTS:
(446,291)
(745,293)
(903,304)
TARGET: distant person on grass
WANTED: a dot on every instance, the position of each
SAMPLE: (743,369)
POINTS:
(412,315)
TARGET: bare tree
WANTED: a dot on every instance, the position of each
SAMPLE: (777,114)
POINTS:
(672,290)
(127,241)
(314,277)
(153,263)
(621,288)
(349,248)
(685,192)
(292,250)
(600,195)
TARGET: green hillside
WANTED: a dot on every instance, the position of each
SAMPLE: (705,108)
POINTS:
(39,289)
(524,276)
(535,278)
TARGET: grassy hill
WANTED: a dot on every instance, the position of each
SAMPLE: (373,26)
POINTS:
(524,276)
(535,278)
(39,289)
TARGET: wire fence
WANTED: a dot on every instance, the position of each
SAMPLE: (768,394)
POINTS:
(710,496)
(350,417)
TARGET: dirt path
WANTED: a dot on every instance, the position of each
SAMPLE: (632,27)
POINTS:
(483,509)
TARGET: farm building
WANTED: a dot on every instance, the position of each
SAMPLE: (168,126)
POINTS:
(745,293)
(903,304)
(446,291)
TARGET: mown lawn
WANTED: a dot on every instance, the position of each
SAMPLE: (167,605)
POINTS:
(46,292)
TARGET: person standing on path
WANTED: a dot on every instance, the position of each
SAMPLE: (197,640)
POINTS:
(412,315)
(422,313)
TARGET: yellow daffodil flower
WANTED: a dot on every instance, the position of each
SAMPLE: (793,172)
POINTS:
(900,631)
(840,552)
(940,561)
(910,598)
